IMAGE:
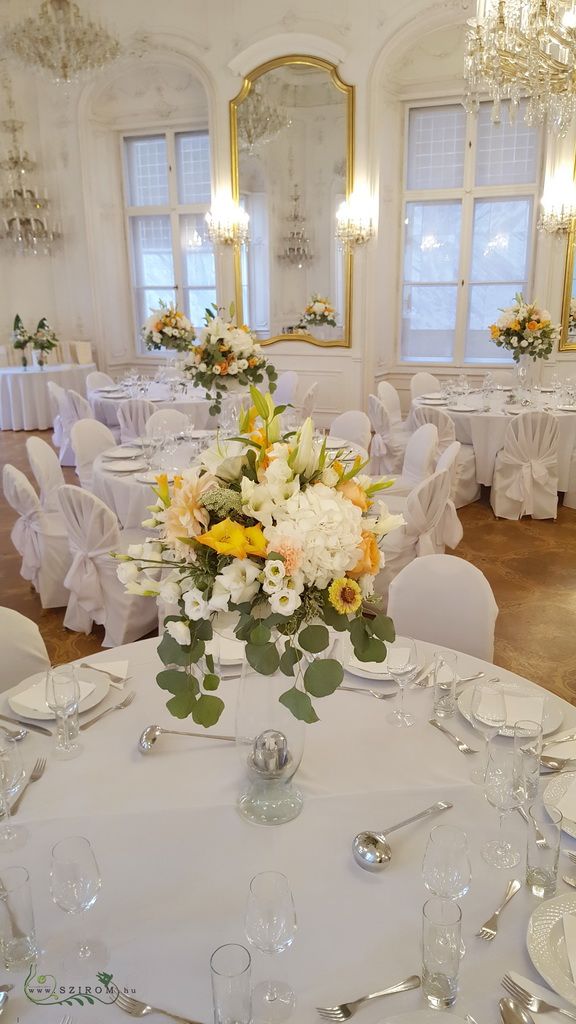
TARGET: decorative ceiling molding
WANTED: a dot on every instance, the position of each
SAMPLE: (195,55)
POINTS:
(283,44)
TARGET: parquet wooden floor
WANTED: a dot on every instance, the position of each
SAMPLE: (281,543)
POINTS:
(531,567)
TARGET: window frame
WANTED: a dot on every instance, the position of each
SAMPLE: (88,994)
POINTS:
(467,194)
(174,210)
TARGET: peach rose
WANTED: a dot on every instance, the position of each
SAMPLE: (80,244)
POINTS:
(369,561)
(354,493)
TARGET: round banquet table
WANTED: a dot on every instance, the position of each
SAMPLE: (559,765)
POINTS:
(24,399)
(192,402)
(176,858)
(485,431)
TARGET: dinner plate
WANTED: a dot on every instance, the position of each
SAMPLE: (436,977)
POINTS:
(124,467)
(110,389)
(115,394)
(422,1017)
(551,719)
(566,408)
(151,476)
(463,408)
(96,679)
(122,453)
(547,947)
(554,791)
(433,396)
(376,671)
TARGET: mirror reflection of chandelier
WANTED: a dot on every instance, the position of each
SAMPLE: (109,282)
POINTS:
(296,250)
(61,41)
(519,48)
(258,121)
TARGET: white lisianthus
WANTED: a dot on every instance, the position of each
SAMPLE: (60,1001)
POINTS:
(170,592)
(257,501)
(304,458)
(195,604)
(216,371)
(524,343)
(273,585)
(233,369)
(274,569)
(240,579)
(151,550)
(220,598)
(135,550)
(141,589)
(514,341)
(285,602)
(127,572)
(386,521)
(366,582)
(242,364)
(279,470)
(179,632)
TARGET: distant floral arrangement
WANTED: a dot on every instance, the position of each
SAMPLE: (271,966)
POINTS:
(168,327)
(525,330)
(318,312)
(43,340)
(572,317)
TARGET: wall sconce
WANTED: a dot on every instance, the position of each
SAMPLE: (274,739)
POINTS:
(227,223)
(354,221)
(558,204)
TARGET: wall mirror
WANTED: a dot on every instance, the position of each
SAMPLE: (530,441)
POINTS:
(568,330)
(292,132)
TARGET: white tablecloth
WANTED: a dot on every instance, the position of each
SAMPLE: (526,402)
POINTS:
(176,858)
(192,403)
(24,399)
(485,431)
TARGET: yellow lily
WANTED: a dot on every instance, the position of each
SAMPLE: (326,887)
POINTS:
(226,538)
(256,541)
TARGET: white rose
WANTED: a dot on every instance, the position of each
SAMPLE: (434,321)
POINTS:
(202,367)
(179,632)
(524,343)
(195,604)
(284,602)
(318,307)
(242,364)
(127,572)
(233,369)
(170,592)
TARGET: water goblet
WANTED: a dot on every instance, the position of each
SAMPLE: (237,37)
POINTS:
(75,881)
(11,777)
(527,751)
(63,697)
(501,792)
(446,869)
(488,716)
(402,665)
(270,928)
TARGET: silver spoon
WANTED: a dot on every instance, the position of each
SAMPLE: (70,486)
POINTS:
(3,1001)
(513,1012)
(569,880)
(372,851)
(18,734)
(556,764)
(152,733)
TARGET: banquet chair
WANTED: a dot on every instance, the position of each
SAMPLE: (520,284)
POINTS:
(390,398)
(47,472)
(388,445)
(309,401)
(525,480)
(467,489)
(89,438)
(132,417)
(286,388)
(57,395)
(447,602)
(23,649)
(97,379)
(419,461)
(167,421)
(423,382)
(82,352)
(95,592)
(352,426)
(39,537)
(73,407)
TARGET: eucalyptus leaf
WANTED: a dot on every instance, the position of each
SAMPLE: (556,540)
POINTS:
(289,659)
(323,676)
(314,639)
(202,629)
(263,658)
(207,710)
(211,681)
(182,704)
(260,635)
(372,650)
(299,704)
(382,627)
(173,680)
(172,653)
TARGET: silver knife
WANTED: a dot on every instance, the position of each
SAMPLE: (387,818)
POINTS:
(111,675)
(28,725)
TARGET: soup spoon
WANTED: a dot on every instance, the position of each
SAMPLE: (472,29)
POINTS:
(153,732)
(372,850)
(513,1012)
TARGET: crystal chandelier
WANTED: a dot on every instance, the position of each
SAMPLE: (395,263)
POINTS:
(296,249)
(354,222)
(258,121)
(518,48)
(61,41)
(227,223)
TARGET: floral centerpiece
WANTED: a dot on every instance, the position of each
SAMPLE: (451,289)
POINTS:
(276,529)
(21,339)
(318,313)
(44,340)
(525,330)
(227,353)
(167,327)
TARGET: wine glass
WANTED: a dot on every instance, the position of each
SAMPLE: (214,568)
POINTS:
(488,716)
(501,792)
(528,751)
(270,927)
(446,869)
(75,881)
(63,697)
(11,776)
(402,665)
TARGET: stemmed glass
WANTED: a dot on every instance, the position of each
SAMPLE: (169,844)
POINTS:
(63,697)
(402,665)
(502,792)
(446,869)
(75,881)
(11,775)
(488,716)
(270,927)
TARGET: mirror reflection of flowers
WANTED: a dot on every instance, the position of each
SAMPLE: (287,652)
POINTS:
(279,530)
(525,330)
(21,339)
(572,316)
(227,353)
(44,340)
(319,311)
(168,327)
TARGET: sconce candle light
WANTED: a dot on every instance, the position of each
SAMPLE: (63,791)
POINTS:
(354,221)
(558,204)
(227,223)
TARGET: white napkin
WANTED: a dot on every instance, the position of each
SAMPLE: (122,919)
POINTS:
(569,922)
(519,707)
(34,697)
(567,804)
(373,668)
(118,668)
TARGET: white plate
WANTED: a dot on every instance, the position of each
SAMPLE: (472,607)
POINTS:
(374,670)
(109,389)
(566,408)
(114,394)
(546,945)
(150,477)
(97,679)
(124,467)
(463,408)
(551,719)
(122,453)
(554,791)
(422,1017)
(433,396)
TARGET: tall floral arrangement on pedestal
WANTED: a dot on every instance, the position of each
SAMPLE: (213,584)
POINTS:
(318,313)
(44,340)
(525,330)
(226,353)
(280,531)
(167,327)
(21,338)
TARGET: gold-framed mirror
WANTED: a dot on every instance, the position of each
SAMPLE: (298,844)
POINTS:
(568,327)
(292,152)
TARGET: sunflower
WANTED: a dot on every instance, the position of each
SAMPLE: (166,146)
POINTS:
(345,595)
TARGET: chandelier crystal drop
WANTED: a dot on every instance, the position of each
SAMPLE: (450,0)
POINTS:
(258,121)
(524,48)
(61,42)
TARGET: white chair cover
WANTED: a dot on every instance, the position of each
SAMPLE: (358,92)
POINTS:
(446,601)
(422,383)
(466,488)
(448,459)
(386,450)
(286,388)
(39,537)
(525,478)
(391,400)
(132,417)
(419,460)
(23,649)
(97,379)
(56,394)
(47,472)
(167,421)
(309,401)
(89,438)
(73,407)
(352,426)
(96,594)
(444,425)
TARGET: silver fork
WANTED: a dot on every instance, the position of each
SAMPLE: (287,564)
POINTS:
(462,747)
(36,773)
(373,693)
(115,707)
(531,1002)
(138,1009)
(540,838)
(67,1019)
(343,1011)
(490,927)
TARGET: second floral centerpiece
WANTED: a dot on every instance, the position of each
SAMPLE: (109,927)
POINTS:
(525,330)
(280,531)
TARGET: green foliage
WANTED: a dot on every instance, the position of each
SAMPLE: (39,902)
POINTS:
(314,639)
(299,704)
(323,676)
(263,658)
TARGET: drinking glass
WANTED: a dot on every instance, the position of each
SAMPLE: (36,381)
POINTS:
(11,777)
(446,869)
(17,934)
(230,972)
(528,750)
(270,927)
(501,792)
(441,938)
(543,849)
(488,716)
(402,665)
(445,666)
(75,880)
(63,697)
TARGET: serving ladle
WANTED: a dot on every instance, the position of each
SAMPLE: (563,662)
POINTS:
(153,732)
(512,1012)
(372,850)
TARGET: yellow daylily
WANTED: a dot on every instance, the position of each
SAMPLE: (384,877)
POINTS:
(226,538)
(256,541)
(162,489)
